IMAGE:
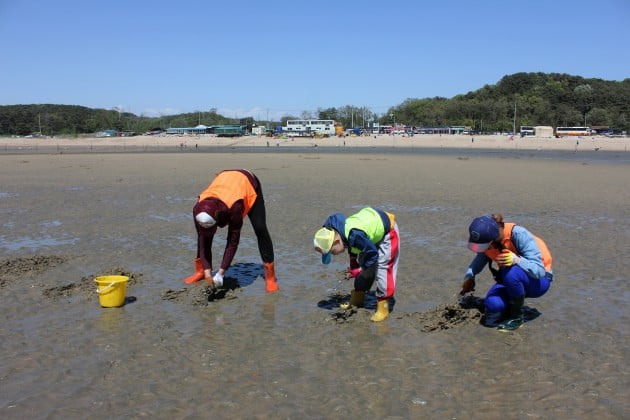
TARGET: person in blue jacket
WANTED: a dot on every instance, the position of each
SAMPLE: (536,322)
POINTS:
(524,268)
(372,240)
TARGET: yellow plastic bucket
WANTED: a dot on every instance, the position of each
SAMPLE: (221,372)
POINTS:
(111,290)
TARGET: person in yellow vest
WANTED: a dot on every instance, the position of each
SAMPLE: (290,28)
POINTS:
(372,240)
(524,268)
(232,195)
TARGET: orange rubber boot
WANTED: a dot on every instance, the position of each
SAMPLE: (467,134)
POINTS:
(270,278)
(198,273)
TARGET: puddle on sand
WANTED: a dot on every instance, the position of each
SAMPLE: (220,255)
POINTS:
(170,217)
(32,243)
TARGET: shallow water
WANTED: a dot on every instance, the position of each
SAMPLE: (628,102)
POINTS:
(169,354)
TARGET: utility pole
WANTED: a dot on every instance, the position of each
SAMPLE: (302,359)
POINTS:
(514,123)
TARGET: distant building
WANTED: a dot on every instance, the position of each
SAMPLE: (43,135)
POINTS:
(453,129)
(458,129)
(433,130)
(200,129)
(258,130)
(309,127)
(543,131)
(600,129)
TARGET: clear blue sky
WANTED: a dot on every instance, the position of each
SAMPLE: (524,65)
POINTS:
(259,58)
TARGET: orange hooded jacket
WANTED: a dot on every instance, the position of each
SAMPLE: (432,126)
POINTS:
(229,187)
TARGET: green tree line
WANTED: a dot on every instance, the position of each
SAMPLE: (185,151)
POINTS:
(69,120)
(534,98)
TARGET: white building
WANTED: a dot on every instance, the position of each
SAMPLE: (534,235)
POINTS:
(543,131)
(309,127)
(258,130)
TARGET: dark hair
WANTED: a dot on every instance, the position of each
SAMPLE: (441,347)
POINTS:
(499,219)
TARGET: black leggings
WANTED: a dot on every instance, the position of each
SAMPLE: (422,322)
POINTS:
(257,215)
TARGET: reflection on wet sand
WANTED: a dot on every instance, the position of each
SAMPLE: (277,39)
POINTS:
(174,352)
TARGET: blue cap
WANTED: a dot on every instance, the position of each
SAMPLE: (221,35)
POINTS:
(483,230)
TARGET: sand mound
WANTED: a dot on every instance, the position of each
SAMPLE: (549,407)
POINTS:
(443,317)
(18,268)
(201,295)
(86,286)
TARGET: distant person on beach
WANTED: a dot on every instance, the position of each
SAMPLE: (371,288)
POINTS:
(524,268)
(372,240)
(232,195)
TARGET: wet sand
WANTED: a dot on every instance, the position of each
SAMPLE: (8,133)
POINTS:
(177,351)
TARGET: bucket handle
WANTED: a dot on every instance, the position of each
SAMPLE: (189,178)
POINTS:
(106,288)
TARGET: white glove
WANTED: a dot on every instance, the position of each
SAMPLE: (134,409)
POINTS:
(217,280)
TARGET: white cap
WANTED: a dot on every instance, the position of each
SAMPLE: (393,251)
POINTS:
(205,220)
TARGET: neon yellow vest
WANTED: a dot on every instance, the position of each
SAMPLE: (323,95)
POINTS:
(369,221)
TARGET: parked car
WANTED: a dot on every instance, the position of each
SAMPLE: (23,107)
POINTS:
(107,133)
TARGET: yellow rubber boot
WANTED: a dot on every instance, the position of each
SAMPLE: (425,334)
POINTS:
(382,310)
(271,285)
(356,299)
(198,273)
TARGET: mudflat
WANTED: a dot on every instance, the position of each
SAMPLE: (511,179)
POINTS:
(179,351)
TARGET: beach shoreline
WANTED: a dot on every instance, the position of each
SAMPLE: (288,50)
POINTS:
(154,143)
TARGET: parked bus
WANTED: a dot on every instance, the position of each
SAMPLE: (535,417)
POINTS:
(230,130)
(572,131)
(309,127)
(527,130)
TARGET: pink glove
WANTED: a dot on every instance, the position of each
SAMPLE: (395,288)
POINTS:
(354,272)
(354,263)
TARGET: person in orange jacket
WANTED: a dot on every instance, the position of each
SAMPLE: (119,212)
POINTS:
(232,195)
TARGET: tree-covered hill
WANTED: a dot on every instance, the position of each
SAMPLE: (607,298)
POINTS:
(73,120)
(536,99)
